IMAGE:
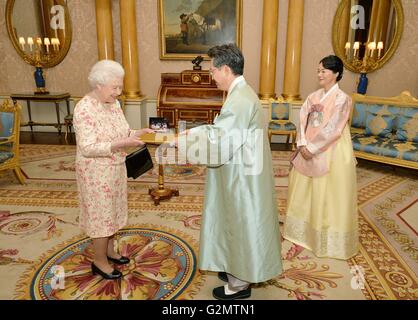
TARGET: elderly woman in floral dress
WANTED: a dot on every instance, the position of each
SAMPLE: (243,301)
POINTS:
(102,134)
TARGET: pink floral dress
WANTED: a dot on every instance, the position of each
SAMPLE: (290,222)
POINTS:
(101,173)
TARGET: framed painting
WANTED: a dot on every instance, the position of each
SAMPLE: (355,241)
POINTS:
(191,27)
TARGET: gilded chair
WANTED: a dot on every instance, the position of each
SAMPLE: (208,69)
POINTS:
(9,138)
(280,123)
(68,120)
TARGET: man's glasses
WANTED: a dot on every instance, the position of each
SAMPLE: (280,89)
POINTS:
(212,70)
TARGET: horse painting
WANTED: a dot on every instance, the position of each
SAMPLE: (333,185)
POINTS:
(200,27)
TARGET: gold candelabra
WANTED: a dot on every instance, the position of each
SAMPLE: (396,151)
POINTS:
(33,50)
(364,65)
(370,60)
(30,46)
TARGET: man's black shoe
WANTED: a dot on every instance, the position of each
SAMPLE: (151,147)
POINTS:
(219,293)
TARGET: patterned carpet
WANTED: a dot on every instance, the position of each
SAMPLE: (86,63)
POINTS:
(44,255)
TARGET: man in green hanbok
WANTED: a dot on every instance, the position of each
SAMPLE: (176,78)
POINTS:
(240,236)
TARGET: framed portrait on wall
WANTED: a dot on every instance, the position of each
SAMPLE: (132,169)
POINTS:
(191,27)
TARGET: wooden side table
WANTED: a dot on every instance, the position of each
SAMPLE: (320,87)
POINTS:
(161,192)
(56,98)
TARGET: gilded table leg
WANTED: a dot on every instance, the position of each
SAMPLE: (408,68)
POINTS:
(161,193)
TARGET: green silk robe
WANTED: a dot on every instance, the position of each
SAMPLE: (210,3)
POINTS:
(240,228)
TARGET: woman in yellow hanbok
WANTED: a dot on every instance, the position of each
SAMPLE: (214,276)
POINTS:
(322,200)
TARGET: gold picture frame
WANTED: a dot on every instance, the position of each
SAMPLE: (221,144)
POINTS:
(342,30)
(17,28)
(186,32)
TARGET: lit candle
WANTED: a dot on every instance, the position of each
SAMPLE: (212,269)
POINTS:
(30,42)
(379,48)
(347,48)
(39,42)
(22,43)
(47,44)
(356,47)
(372,47)
(55,43)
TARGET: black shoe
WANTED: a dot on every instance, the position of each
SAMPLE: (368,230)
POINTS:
(223,276)
(110,276)
(121,260)
(219,293)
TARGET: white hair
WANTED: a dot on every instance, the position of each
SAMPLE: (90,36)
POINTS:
(105,71)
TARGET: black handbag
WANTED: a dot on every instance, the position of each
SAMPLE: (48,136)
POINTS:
(138,162)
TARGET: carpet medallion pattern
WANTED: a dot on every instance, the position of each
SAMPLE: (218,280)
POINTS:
(162,267)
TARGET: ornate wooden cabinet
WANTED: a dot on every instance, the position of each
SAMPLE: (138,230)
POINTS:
(191,95)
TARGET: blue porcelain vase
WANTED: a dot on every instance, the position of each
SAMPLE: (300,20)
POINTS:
(39,78)
(362,84)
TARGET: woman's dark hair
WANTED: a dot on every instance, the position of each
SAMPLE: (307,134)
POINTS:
(230,55)
(334,64)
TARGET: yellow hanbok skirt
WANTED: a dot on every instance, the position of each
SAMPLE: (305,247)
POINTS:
(322,211)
